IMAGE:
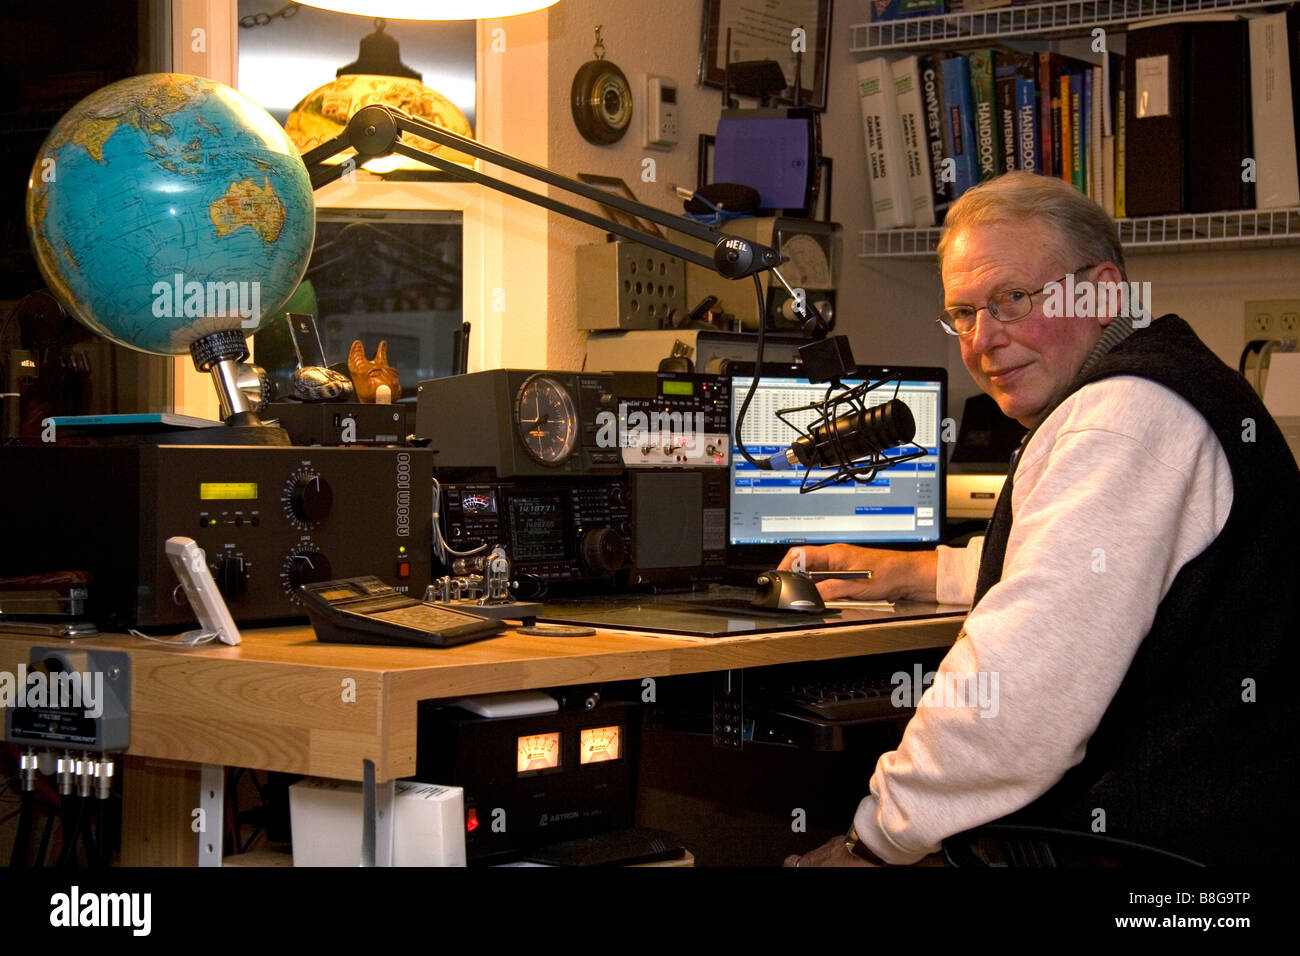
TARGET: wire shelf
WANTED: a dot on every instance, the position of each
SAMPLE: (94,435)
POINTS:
(1074,16)
(1189,232)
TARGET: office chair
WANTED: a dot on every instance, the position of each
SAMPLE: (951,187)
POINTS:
(1017,845)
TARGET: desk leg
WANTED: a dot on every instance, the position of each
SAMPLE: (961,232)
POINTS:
(212,801)
(159,798)
(378,817)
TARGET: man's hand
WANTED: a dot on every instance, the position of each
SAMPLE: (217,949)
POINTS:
(897,574)
(830,853)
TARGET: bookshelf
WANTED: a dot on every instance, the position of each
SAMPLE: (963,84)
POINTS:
(1195,232)
(1037,20)
(1238,229)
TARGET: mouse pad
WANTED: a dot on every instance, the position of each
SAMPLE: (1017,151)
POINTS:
(678,613)
(746,607)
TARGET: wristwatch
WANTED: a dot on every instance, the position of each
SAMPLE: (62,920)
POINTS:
(860,849)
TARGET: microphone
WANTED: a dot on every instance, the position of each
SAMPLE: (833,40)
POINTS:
(855,435)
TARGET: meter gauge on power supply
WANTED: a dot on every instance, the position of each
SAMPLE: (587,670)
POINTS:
(546,420)
(599,744)
(538,753)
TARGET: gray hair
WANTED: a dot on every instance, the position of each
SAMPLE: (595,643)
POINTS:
(1082,232)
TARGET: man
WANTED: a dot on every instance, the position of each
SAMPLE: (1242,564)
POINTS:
(1131,596)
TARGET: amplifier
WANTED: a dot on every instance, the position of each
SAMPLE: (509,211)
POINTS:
(510,423)
(268,519)
(673,419)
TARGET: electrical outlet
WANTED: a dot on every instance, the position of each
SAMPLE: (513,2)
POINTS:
(1272,318)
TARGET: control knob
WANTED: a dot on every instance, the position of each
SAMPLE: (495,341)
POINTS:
(603,550)
(228,572)
(311,497)
(307,566)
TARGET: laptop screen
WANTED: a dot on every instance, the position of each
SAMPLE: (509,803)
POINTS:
(902,505)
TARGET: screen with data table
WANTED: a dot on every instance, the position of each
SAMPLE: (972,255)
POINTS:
(900,505)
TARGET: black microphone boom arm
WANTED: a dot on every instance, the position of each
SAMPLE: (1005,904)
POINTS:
(376,130)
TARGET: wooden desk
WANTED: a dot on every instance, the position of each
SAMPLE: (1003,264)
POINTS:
(283,701)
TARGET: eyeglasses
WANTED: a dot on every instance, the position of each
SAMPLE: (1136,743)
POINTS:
(1009,305)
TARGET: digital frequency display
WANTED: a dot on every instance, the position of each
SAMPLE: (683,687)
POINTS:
(228,490)
(539,523)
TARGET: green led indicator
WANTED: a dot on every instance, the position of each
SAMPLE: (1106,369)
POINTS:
(401,549)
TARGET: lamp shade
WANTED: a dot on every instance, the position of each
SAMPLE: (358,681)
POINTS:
(324,112)
(432,9)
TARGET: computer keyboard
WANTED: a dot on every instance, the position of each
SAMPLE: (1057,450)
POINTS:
(864,697)
(847,690)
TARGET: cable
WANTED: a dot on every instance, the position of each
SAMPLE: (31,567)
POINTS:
(203,638)
(71,826)
(23,839)
(1252,348)
(50,817)
(1271,346)
(753,383)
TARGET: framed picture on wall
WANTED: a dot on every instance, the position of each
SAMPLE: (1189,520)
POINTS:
(774,30)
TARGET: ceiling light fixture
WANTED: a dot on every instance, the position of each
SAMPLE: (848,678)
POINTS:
(432,9)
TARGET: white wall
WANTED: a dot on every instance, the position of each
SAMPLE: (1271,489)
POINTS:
(878,306)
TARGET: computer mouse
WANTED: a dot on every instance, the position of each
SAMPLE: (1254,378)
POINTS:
(788,591)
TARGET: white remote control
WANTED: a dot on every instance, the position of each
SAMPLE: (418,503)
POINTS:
(191,566)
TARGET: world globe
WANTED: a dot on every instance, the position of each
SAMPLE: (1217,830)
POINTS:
(166,207)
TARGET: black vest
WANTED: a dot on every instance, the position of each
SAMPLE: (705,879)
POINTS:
(1182,759)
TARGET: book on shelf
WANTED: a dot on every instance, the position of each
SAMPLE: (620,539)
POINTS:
(1007,106)
(1217,116)
(1096,134)
(988,142)
(916,155)
(891,200)
(1272,113)
(1047,161)
(960,108)
(906,9)
(1078,130)
(1155,146)
(1027,113)
(931,67)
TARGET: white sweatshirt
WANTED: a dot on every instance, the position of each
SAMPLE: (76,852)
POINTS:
(1122,485)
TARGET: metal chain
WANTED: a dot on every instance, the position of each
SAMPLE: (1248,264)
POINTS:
(599,48)
(263,19)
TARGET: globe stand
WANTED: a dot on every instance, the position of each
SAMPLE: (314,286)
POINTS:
(220,354)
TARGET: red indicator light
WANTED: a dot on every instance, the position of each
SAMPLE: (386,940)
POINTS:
(471,820)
